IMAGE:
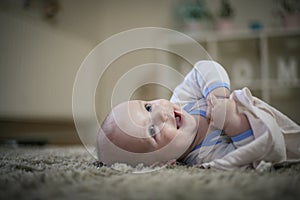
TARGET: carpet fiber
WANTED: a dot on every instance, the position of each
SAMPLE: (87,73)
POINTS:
(71,173)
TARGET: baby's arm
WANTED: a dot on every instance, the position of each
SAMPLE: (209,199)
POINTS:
(212,79)
(207,77)
(224,115)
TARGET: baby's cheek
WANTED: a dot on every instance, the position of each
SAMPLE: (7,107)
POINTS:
(168,135)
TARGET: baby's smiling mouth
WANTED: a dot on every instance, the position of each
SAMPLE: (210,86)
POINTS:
(177,119)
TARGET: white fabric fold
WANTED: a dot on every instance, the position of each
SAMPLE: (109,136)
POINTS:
(277,138)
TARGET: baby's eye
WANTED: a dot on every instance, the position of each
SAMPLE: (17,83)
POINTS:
(152,131)
(148,107)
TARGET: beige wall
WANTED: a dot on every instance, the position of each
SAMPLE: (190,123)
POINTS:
(38,67)
(39,59)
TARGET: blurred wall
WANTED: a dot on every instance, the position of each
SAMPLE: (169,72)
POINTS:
(40,57)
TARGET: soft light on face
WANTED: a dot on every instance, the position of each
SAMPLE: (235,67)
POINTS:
(148,126)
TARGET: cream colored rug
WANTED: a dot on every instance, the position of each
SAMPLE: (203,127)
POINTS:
(70,173)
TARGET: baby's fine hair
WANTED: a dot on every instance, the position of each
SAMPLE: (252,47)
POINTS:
(107,127)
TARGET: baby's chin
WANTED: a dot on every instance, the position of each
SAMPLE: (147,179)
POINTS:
(189,125)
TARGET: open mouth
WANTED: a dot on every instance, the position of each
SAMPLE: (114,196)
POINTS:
(177,119)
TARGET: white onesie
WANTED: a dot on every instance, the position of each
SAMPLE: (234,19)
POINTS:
(198,83)
(191,96)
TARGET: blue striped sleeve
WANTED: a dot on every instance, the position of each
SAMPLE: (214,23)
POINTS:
(242,136)
(214,86)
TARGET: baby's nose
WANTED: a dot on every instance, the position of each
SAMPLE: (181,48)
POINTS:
(159,114)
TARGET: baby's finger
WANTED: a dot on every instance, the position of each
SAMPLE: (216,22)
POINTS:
(213,100)
(208,112)
(208,101)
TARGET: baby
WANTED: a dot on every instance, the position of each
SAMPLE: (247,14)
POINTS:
(199,123)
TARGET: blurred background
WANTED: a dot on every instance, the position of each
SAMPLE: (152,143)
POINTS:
(44,42)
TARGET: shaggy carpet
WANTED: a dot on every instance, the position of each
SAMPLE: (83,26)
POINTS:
(71,173)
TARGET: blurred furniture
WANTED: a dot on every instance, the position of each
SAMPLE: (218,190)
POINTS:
(266,61)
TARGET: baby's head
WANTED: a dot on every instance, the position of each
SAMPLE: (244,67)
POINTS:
(145,132)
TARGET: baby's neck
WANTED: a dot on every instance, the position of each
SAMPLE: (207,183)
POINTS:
(200,135)
(233,127)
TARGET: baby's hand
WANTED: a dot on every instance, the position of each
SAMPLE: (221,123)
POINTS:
(221,112)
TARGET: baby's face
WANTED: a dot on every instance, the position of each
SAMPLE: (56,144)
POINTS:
(146,126)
